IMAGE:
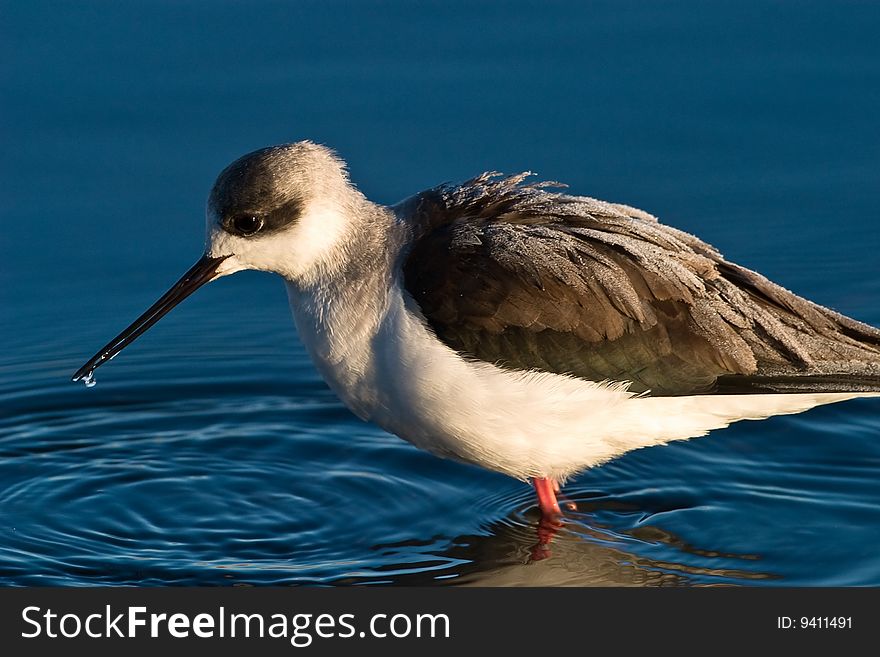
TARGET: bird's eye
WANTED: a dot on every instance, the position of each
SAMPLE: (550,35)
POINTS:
(247,224)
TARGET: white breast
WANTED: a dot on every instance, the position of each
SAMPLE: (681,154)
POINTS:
(387,366)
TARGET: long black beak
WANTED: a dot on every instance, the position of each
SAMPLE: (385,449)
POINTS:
(199,274)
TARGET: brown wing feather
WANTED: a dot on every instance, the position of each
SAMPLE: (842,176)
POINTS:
(528,279)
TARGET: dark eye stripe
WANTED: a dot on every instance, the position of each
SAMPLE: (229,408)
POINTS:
(284,215)
(250,220)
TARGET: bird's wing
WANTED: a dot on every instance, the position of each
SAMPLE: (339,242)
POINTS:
(526,278)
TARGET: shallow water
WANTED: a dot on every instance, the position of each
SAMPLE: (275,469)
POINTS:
(211,453)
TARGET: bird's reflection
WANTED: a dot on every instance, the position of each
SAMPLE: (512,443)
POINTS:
(546,530)
(526,549)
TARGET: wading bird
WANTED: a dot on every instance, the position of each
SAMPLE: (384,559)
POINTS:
(529,331)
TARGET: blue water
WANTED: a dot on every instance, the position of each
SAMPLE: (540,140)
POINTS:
(211,453)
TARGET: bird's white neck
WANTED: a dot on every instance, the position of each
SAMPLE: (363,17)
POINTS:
(338,313)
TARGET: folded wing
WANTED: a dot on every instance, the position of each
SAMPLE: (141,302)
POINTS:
(530,279)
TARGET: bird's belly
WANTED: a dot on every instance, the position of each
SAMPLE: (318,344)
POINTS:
(521,423)
(544,425)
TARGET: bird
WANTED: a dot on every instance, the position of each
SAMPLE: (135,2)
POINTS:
(509,324)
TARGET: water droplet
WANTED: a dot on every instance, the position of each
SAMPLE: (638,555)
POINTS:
(89,379)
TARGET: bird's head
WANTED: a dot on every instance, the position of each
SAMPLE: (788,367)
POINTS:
(280,209)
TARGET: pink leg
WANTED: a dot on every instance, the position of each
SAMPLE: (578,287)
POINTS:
(550,522)
(546,490)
